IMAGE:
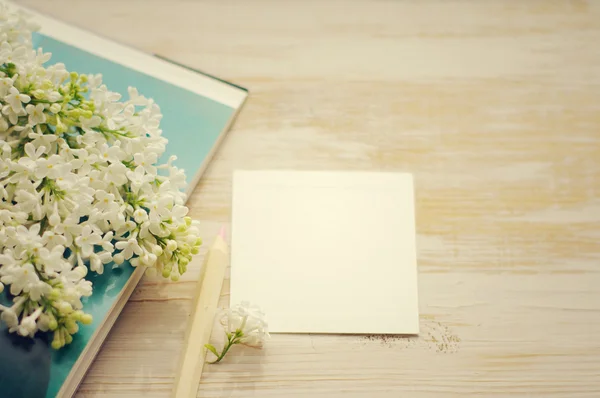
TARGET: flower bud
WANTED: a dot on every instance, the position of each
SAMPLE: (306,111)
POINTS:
(55,108)
(95,262)
(54,294)
(37,212)
(151,259)
(76,315)
(81,270)
(54,219)
(52,324)
(56,342)
(60,127)
(75,113)
(87,319)
(71,326)
(157,251)
(118,258)
(54,96)
(65,308)
(184,249)
(171,245)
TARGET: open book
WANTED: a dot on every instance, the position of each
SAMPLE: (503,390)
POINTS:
(197,111)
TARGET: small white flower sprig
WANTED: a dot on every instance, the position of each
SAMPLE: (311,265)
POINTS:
(244,324)
(79,187)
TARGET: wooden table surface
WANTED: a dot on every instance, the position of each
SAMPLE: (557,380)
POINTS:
(495,108)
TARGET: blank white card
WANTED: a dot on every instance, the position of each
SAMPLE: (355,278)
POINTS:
(326,252)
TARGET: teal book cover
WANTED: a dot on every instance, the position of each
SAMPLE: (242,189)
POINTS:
(197,111)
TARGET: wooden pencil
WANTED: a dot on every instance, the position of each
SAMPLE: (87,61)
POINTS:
(201,319)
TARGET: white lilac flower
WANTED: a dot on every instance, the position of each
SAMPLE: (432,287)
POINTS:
(51,239)
(140,216)
(87,160)
(10,315)
(33,154)
(112,154)
(177,178)
(97,261)
(90,123)
(36,113)
(52,167)
(20,278)
(116,174)
(129,247)
(69,181)
(244,324)
(28,324)
(250,320)
(139,178)
(106,242)
(16,99)
(27,200)
(146,161)
(105,200)
(40,139)
(79,187)
(5,85)
(87,240)
(37,289)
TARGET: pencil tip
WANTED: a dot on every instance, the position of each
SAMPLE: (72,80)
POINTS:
(222,232)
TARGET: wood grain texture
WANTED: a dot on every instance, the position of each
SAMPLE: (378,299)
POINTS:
(495,108)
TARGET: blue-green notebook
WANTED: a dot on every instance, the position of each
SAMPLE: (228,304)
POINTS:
(197,111)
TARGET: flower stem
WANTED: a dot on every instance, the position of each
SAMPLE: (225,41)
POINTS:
(225,349)
(232,340)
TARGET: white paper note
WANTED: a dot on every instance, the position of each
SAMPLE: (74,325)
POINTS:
(326,252)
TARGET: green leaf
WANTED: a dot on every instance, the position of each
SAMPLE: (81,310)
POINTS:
(212,349)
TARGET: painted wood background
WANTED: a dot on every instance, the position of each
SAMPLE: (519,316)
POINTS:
(495,108)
